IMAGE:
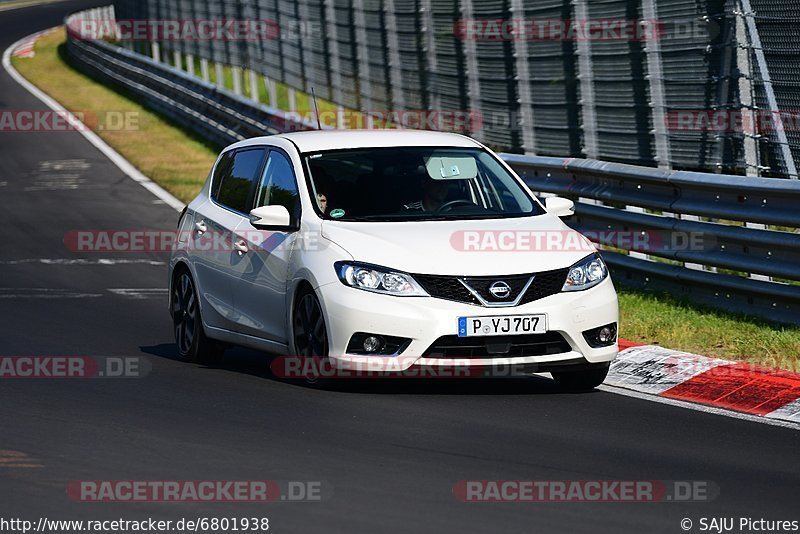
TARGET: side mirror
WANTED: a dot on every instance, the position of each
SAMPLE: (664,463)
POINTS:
(271,217)
(560,207)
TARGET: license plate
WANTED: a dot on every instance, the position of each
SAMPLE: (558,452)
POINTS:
(502,325)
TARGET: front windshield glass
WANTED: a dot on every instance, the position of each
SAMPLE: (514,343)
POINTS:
(415,183)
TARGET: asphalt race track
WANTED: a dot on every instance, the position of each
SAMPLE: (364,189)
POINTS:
(389,453)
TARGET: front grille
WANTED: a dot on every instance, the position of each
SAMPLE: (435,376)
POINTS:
(446,287)
(498,346)
(450,287)
(545,284)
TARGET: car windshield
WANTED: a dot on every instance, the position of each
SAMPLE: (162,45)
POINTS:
(415,183)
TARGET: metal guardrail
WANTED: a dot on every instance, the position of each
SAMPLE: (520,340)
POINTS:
(605,192)
(213,113)
(610,197)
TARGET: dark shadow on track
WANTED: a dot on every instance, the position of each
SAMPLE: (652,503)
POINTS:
(256,363)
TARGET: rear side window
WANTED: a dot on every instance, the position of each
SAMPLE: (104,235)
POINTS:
(219,171)
(234,178)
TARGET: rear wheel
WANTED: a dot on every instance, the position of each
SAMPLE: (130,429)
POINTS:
(190,338)
(583,380)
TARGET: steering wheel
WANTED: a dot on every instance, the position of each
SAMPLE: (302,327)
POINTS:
(448,206)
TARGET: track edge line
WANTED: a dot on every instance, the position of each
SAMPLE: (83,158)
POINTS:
(115,157)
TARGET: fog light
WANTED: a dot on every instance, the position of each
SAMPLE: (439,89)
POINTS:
(605,335)
(376,344)
(602,336)
(372,344)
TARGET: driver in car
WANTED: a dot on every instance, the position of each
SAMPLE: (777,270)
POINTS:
(434,193)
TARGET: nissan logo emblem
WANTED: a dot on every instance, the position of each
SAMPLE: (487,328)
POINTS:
(500,290)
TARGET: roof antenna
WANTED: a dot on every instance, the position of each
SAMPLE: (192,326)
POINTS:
(316,108)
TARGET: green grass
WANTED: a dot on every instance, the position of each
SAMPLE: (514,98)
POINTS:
(661,320)
(180,163)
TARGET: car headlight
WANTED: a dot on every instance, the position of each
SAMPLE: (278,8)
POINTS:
(378,279)
(587,273)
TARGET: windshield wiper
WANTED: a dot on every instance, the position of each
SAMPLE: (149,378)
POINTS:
(386,218)
(362,218)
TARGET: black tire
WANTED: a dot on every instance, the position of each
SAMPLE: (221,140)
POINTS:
(190,337)
(583,380)
(309,332)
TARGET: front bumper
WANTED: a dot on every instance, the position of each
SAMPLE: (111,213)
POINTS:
(426,319)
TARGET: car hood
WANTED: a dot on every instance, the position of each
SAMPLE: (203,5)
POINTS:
(472,247)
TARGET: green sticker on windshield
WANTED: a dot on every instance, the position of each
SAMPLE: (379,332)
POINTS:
(337,213)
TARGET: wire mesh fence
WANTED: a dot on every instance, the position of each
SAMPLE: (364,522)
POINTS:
(706,85)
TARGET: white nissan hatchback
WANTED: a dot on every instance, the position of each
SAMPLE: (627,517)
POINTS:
(388,250)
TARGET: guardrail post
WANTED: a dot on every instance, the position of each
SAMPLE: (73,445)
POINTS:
(362,61)
(656,78)
(204,70)
(743,64)
(396,90)
(586,79)
(272,91)
(254,93)
(333,50)
(155,49)
(473,75)
(219,71)
(761,62)
(190,64)
(302,17)
(236,74)
(431,96)
(526,119)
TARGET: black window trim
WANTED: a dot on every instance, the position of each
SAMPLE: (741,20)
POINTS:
(214,184)
(251,193)
(295,225)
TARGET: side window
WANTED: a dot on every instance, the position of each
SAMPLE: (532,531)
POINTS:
(236,179)
(219,171)
(278,185)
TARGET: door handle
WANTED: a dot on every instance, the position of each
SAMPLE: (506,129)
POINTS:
(200,227)
(240,246)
